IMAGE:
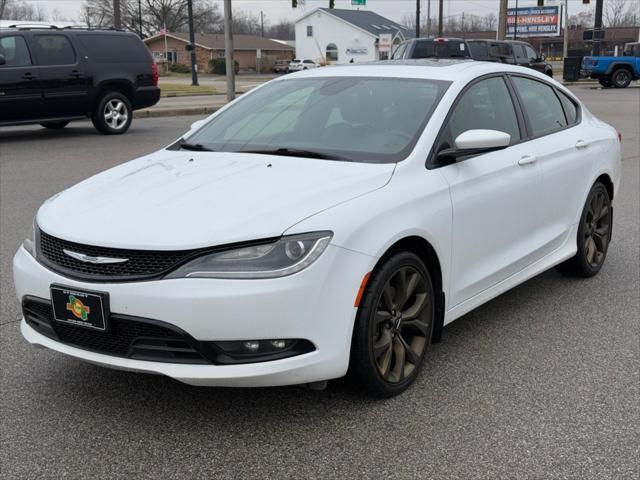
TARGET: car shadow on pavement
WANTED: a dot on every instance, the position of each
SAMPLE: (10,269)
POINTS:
(15,135)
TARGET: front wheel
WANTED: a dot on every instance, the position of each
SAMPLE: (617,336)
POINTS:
(594,235)
(113,114)
(621,78)
(394,326)
(54,125)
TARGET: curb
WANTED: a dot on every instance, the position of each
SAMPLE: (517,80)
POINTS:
(174,112)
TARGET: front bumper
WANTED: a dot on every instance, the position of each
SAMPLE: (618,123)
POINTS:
(315,304)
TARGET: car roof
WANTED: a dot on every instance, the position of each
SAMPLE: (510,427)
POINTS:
(435,69)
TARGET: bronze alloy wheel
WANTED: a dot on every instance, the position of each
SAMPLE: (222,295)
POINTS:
(597,228)
(402,325)
(594,235)
(394,325)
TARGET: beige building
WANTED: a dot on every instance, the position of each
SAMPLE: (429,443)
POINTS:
(247,49)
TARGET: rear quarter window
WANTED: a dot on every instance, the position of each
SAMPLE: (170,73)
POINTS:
(109,48)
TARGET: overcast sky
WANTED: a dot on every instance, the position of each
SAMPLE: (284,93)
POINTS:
(393,9)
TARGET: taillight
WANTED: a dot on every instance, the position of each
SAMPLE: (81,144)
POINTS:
(156,75)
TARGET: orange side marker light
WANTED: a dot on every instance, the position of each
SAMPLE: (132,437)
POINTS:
(363,285)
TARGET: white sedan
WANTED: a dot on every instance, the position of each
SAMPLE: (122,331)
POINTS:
(329,222)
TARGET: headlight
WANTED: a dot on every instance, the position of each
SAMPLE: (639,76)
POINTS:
(286,256)
(29,243)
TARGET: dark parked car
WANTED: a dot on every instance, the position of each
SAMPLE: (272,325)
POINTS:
(513,52)
(52,76)
(431,48)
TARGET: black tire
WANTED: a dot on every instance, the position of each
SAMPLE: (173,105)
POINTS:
(112,102)
(549,73)
(411,335)
(54,125)
(605,82)
(594,236)
(621,78)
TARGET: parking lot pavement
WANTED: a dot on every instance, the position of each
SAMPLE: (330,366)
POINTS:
(542,382)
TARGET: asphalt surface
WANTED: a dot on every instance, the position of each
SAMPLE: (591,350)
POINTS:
(542,382)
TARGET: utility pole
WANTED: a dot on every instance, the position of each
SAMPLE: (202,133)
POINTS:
(228,52)
(565,33)
(261,23)
(417,18)
(440,17)
(140,16)
(502,20)
(515,23)
(428,18)
(117,20)
(192,41)
(597,26)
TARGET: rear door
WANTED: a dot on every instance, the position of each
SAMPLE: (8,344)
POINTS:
(565,154)
(20,90)
(64,79)
(495,196)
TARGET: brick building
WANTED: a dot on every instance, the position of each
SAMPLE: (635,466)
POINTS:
(247,49)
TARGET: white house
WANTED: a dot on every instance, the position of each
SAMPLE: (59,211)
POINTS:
(340,36)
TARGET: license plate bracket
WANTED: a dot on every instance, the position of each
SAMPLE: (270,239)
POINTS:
(81,308)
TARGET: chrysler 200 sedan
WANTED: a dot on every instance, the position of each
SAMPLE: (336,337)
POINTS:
(330,222)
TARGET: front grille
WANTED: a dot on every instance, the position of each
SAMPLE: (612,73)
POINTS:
(140,264)
(129,337)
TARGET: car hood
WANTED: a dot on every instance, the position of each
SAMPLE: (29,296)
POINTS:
(181,200)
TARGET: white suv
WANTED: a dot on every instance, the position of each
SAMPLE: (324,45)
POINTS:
(296,65)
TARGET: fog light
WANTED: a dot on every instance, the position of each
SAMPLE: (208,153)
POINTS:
(252,346)
(278,343)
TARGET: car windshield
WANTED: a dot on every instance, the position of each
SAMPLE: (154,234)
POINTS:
(359,119)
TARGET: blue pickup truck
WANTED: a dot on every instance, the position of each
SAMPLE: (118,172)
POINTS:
(615,72)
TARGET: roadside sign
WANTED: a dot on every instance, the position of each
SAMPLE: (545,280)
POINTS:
(534,22)
(358,2)
(385,41)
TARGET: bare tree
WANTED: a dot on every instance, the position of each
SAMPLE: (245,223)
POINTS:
(156,14)
(490,22)
(22,11)
(616,13)
(283,30)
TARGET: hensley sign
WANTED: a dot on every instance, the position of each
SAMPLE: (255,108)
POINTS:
(358,2)
(534,21)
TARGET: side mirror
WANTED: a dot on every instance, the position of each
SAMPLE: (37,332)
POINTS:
(474,142)
(198,124)
(2,59)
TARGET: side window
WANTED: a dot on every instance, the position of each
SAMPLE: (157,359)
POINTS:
(570,108)
(531,53)
(309,30)
(478,49)
(541,105)
(520,52)
(15,52)
(399,51)
(424,49)
(486,105)
(54,50)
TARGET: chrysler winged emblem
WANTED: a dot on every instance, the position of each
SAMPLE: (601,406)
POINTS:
(95,260)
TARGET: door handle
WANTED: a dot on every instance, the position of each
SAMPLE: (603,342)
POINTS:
(527,160)
(28,76)
(582,144)
(76,73)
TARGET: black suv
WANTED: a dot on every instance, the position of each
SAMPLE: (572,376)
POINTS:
(52,76)
(513,52)
(431,48)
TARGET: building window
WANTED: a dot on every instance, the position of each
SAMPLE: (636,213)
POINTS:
(332,53)
(309,30)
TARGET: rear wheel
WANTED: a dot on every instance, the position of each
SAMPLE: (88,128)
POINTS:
(594,235)
(605,82)
(621,78)
(394,326)
(54,125)
(113,114)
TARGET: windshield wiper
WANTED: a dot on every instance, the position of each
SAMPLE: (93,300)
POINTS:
(195,147)
(298,152)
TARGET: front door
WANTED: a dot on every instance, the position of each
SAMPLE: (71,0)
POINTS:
(63,76)
(20,91)
(495,196)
